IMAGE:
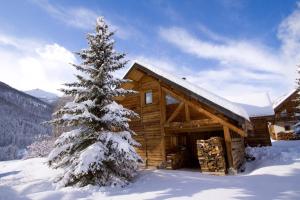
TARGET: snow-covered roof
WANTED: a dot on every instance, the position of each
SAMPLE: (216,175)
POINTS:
(282,98)
(256,104)
(257,111)
(220,101)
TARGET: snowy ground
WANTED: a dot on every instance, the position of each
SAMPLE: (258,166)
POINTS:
(275,174)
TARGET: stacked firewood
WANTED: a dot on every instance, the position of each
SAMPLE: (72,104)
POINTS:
(177,158)
(287,135)
(211,155)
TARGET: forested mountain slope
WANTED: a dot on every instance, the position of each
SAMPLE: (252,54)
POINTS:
(21,116)
(47,97)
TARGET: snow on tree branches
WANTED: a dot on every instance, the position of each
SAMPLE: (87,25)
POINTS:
(99,149)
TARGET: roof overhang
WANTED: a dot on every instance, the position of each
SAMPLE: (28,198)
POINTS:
(189,93)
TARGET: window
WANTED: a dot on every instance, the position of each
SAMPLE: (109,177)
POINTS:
(171,100)
(283,113)
(149,97)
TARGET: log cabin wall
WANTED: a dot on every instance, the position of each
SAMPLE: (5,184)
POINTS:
(287,113)
(151,116)
(148,126)
(163,127)
(238,149)
(260,135)
(133,102)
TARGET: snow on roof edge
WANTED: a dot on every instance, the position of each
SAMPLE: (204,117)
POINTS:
(282,98)
(220,101)
(258,111)
(257,104)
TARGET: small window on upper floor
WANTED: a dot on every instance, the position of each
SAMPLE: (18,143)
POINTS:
(148,97)
(283,113)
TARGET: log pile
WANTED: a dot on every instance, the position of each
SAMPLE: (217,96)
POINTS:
(287,135)
(176,159)
(211,155)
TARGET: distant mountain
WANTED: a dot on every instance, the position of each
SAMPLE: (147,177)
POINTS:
(43,95)
(21,117)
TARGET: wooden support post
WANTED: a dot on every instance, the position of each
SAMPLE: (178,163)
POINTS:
(227,138)
(162,100)
(141,118)
(187,112)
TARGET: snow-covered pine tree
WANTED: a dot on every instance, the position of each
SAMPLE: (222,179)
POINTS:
(100,150)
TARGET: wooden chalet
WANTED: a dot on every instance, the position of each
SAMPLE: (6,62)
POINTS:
(175,114)
(260,136)
(286,111)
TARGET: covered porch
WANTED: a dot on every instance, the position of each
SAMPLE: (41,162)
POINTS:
(185,122)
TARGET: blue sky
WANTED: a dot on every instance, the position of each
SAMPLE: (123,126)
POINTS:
(229,47)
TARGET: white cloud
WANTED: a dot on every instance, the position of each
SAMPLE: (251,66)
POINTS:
(78,17)
(83,18)
(212,35)
(289,34)
(243,53)
(243,65)
(17,43)
(28,64)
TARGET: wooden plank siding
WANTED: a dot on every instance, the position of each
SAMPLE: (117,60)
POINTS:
(287,113)
(148,126)
(238,149)
(260,135)
(151,121)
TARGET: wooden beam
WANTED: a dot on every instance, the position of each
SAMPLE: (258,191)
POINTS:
(191,124)
(162,106)
(207,128)
(207,113)
(187,112)
(162,101)
(141,118)
(129,85)
(176,112)
(227,138)
(135,75)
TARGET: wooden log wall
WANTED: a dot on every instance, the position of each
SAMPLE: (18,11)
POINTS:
(286,116)
(148,126)
(286,112)
(151,121)
(238,149)
(260,135)
(133,102)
